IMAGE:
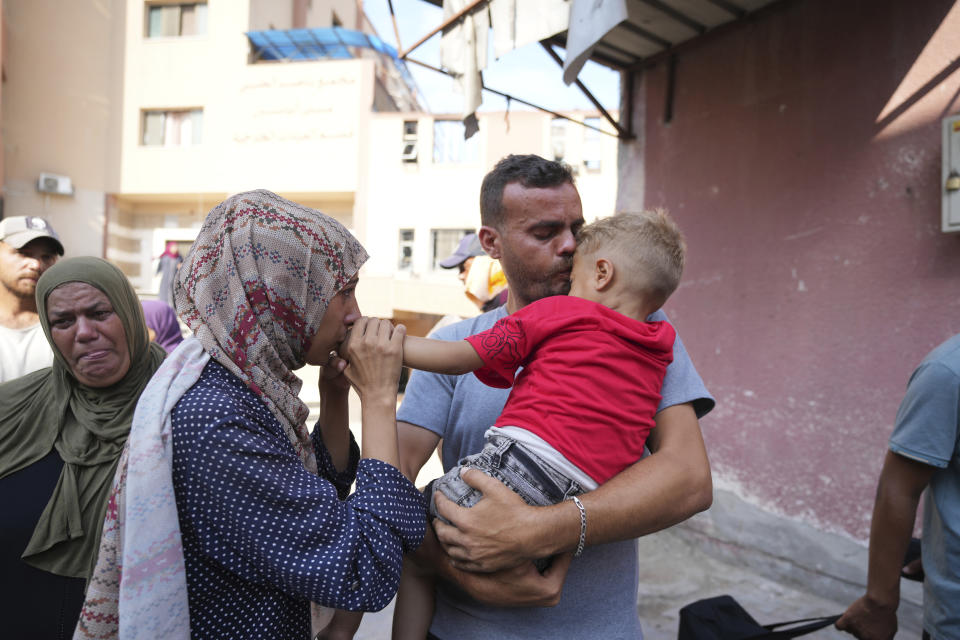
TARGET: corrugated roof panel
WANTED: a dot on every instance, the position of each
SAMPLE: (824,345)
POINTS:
(703,11)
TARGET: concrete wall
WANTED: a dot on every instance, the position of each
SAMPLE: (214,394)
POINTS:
(287,127)
(286,14)
(61,112)
(803,163)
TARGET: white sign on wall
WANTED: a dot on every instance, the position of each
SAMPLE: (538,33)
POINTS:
(950,178)
(284,107)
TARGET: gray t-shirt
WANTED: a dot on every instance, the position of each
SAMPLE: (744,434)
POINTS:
(600,594)
(928,430)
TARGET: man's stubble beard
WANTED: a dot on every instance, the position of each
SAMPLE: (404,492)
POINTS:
(534,288)
(17,292)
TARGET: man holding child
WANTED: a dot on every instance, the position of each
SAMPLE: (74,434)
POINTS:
(530,212)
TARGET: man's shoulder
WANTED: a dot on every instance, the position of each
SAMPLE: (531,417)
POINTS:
(470,326)
(946,355)
(16,327)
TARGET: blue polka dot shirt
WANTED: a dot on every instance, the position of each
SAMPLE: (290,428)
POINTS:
(262,536)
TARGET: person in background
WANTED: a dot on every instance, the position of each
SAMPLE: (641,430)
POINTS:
(483,279)
(28,247)
(923,459)
(170,261)
(162,324)
(62,430)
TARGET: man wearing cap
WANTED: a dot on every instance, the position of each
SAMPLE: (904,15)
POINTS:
(28,247)
(483,279)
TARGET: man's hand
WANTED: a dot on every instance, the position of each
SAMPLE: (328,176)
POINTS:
(489,535)
(868,620)
(902,480)
(521,586)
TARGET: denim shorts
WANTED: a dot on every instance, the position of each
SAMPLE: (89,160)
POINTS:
(526,474)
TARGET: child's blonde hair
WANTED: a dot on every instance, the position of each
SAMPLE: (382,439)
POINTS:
(648,245)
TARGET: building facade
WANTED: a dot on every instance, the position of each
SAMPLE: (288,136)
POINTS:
(183,104)
(803,159)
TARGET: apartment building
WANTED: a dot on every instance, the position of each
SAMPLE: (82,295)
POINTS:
(144,114)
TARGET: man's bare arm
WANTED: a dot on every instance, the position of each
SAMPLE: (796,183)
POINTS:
(874,615)
(451,357)
(665,488)
(416,446)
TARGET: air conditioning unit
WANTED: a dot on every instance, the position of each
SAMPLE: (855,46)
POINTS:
(409,153)
(50,183)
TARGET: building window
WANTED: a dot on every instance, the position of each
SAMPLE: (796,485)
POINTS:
(591,145)
(558,138)
(445,242)
(449,147)
(406,250)
(180,128)
(409,153)
(175,20)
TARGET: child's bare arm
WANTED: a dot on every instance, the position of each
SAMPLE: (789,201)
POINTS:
(440,356)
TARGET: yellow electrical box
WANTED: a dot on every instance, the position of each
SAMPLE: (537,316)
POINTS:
(950,174)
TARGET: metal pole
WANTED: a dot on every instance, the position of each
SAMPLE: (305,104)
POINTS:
(510,97)
(446,23)
(596,103)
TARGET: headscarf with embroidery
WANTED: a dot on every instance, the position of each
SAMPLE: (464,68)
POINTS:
(254,288)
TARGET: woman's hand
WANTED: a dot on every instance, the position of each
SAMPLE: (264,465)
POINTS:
(334,421)
(332,378)
(374,351)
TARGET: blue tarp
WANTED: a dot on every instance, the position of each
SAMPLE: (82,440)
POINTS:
(319,44)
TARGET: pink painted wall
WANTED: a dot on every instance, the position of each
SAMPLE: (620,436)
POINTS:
(803,163)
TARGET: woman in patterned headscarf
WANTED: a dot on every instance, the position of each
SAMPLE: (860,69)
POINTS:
(229,517)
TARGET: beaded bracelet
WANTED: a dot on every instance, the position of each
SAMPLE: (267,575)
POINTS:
(583,526)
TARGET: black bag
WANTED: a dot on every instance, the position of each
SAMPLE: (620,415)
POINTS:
(722,618)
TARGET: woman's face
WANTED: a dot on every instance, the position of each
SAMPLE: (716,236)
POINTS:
(88,333)
(340,315)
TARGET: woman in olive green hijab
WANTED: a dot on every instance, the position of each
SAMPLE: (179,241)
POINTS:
(74,416)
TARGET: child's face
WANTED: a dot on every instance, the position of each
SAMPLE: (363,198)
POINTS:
(582,276)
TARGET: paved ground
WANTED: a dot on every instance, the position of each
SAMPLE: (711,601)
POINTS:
(677,575)
(673,572)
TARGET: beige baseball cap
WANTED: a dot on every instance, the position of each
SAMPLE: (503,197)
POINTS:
(19,230)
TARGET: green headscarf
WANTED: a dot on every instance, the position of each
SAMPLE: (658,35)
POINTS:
(50,409)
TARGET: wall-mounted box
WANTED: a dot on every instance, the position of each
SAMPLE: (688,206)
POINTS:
(950,178)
